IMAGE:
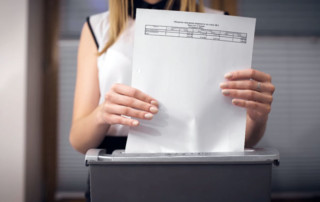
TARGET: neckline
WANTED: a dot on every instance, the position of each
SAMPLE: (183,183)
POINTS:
(142,4)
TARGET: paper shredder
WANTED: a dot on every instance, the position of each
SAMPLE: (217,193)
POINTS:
(186,177)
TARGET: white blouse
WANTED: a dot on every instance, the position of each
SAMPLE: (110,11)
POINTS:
(114,66)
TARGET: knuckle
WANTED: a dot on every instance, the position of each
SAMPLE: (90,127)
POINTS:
(142,106)
(128,122)
(273,88)
(136,113)
(269,77)
(113,120)
(268,109)
(252,84)
(135,93)
(125,111)
(130,102)
(106,107)
(139,114)
(132,92)
(231,84)
(271,99)
(120,120)
(235,75)
(244,103)
(146,107)
(252,73)
(251,95)
(108,96)
(113,87)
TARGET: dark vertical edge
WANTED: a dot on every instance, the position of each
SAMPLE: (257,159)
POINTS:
(50,98)
(33,142)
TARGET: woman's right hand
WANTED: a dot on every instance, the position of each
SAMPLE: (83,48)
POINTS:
(122,102)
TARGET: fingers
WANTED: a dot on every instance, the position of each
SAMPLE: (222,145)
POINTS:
(248,74)
(127,111)
(251,105)
(248,95)
(130,102)
(250,89)
(132,92)
(123,102)
(248,84)
(115,119)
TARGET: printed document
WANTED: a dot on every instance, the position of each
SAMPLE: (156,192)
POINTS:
(180,58)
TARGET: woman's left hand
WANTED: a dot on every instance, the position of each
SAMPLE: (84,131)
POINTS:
(250,89)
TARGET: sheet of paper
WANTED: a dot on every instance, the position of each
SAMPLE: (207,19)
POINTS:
(179,59)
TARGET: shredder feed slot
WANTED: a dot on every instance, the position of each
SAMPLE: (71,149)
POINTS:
(258,155)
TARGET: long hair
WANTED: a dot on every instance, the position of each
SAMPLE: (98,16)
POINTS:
(118,16)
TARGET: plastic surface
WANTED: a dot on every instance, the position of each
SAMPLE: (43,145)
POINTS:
(258,155)
(188,177)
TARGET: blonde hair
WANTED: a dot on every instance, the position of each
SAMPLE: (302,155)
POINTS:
(118,16)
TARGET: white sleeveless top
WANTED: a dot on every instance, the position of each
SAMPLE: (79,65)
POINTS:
(114,66)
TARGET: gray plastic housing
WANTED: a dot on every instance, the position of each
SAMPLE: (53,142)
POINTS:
(171,177)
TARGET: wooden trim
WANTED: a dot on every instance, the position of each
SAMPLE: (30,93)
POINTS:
(50,103)
(225,5)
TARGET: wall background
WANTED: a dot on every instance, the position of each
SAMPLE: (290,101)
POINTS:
(13,122)
(20,91)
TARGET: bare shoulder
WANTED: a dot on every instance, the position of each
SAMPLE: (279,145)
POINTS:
(87,39)
(87,85)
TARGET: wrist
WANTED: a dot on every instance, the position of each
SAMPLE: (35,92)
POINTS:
(99,118)
(258,119)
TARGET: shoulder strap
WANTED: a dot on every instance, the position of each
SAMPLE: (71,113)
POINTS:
(92,32)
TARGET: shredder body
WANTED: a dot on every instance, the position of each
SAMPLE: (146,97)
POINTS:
(193,177)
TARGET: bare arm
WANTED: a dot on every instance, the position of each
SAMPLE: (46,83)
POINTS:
(90,120)
(254,131)
(86,130)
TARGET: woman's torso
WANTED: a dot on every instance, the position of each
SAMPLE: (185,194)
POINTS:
(114,66)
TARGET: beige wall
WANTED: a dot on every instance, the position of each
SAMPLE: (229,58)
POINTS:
(19,102)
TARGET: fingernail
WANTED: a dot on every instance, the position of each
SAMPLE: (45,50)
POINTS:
(148,116)
(223,85)
(225,92)
(235,102)
(154,109)
(153,102)
(135,123)
(228,75)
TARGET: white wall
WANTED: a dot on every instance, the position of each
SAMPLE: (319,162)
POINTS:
(19,115)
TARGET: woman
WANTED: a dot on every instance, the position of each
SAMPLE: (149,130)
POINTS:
(103,94)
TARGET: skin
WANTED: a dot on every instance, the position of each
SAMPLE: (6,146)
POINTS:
(242,86)
(91,121)
(152,1)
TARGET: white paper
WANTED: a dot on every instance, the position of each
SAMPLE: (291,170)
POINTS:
(180,58)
